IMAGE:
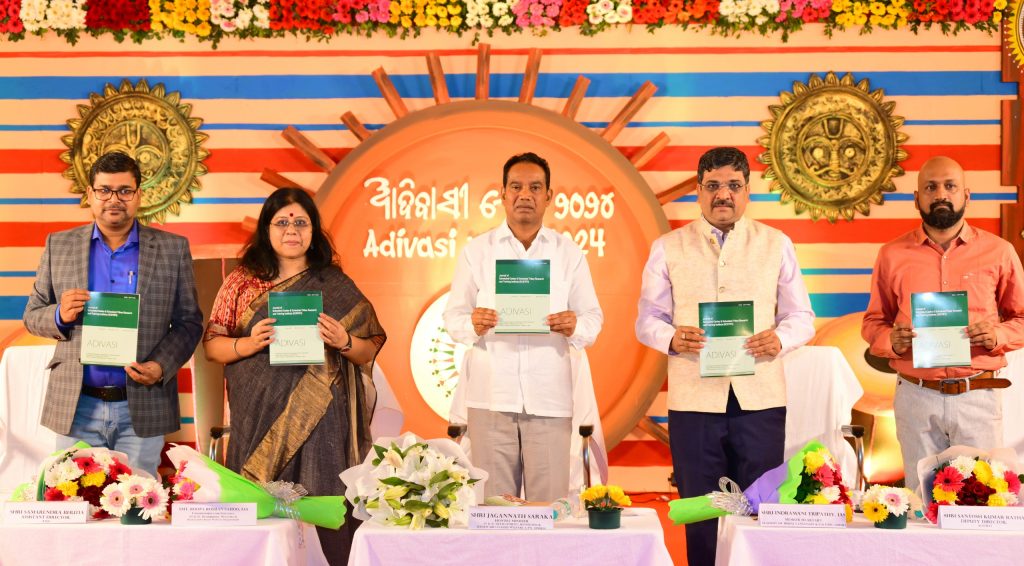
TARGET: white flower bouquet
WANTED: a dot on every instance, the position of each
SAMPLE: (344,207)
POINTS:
(411,482)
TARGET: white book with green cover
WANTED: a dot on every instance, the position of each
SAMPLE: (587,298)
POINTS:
(726,325)
(522,295)
(110,329)
(296,334)
(940,321)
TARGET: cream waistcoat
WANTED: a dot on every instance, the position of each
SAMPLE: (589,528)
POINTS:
(746,268)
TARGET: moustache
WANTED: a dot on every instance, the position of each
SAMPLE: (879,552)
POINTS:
(728,203)
(944,204)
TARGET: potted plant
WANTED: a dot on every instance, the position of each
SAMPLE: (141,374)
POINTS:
(604,506)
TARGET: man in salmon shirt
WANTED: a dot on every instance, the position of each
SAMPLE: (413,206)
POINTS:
(939,407)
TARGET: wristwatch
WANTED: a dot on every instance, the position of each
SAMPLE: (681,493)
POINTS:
(348,346)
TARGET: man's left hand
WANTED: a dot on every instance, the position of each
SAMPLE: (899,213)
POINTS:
(764,344)
(562,322)
(146,373)
(983,334)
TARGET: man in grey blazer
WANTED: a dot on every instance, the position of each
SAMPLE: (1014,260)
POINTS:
(129,408)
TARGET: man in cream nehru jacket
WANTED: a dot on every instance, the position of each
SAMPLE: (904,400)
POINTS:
(723,426)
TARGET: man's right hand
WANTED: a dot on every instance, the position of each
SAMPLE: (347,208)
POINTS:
(72,303)
(687,339)
(483,320)
(901,337)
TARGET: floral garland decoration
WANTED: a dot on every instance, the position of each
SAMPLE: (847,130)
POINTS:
(214,20)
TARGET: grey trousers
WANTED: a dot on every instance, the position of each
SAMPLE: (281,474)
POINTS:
(519,451)
(928,422)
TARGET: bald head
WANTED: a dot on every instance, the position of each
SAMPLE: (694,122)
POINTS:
(940,169)
(941,195)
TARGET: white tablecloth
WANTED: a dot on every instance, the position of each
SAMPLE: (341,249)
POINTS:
(23,441)
(639,542)
(272,542)
(741,542)
(821,390)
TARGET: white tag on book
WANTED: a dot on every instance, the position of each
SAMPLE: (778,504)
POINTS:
(811,516)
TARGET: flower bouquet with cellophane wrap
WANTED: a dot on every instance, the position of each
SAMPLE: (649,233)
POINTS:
(79,473)
(414,483)
(207,481)
(810,476)
(962,475)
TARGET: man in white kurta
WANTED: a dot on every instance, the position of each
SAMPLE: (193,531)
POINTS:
(519,386)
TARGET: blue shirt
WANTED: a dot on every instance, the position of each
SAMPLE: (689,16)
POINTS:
(110,271)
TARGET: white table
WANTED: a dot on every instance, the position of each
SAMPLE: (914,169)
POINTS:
(741,542)
(640,541)
(272,542)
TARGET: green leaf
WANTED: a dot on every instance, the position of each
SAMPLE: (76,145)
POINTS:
(416,505)
(439,477)
(393,480)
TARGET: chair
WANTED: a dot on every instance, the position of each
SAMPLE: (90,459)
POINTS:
(24,443)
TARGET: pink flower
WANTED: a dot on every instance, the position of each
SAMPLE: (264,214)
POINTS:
(950,479)
(1012,481)
(552,10)
(150,500)
(825,475)
(536,20)
(88,465)
(362,16)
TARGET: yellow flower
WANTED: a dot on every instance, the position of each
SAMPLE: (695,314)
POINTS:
(431,20)
(455,9)
(840,5)
(996,500)
(169,6)
(861,18)
(442,12)
(156,25)
(443,22)
(203,14)
(983,471)
(190,4)
(456,21)
(394,19)
(939,494)
(616,494)
(190,28)
(190,16)
(875,20)
(203,29)
(430,10)
(420,20)
(818,499)
(849,513)
(813,461)
(999,485)
(68,488)
(94,479)
(997,17)
(406,22)
(875,511)
(999,4)
(877,8)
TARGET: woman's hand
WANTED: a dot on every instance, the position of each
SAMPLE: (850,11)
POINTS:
(260,337)
(332,332)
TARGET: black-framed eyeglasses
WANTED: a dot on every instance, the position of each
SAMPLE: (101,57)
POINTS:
(713,187)
(123,195)
(298,223)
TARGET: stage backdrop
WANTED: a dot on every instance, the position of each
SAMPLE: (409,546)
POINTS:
(711,91)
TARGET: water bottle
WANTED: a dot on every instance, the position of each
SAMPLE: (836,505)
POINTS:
(562,508)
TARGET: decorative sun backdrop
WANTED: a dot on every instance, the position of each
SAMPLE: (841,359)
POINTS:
(711,91)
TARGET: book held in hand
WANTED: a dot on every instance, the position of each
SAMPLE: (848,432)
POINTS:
(726,325)
(110,329)
(296,335)
(940,321)
(522,290)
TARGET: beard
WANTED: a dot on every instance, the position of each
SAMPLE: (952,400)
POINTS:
(942,215)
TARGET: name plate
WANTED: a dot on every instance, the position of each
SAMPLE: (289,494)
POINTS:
(981,518)
(56,512)
(495,518)
(810,516)
(188,514)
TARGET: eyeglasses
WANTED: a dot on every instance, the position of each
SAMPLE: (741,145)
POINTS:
(123,195)
(713,187)
(298,223)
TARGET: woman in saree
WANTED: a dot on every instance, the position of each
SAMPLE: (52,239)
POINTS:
(297,423)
